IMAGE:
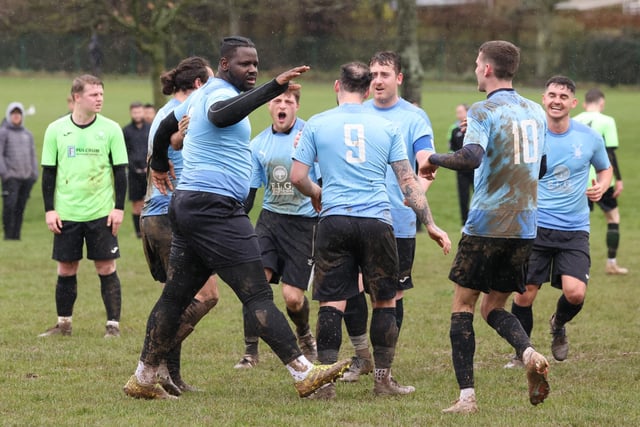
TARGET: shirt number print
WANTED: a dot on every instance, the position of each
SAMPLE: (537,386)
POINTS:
(354,137)
(523,145)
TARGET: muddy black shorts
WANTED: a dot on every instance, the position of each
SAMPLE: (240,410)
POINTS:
(406,255)
(214,227)
(486,264)
(346,245)
(156,243)
(286,243)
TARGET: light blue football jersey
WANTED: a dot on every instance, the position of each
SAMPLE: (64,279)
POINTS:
(511,129)
(562,204)
(156,203)
(216,160)
(353,148)
(414,124)
(271,159)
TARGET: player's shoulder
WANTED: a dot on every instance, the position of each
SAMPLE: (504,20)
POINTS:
(60,123)
(580,127)
(322,116)
(413,110)
(106,122)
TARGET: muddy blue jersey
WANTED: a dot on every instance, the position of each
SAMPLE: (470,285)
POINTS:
(511,129)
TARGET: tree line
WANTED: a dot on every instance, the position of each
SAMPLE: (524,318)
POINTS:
(150,36)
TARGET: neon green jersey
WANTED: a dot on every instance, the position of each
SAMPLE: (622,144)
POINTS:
(605,126)
(601,123)
(84,158)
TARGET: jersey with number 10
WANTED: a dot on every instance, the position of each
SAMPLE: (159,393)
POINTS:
(353,147)
(511,129)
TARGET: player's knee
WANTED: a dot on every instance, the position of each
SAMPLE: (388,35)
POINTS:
(575,296)
(293,297)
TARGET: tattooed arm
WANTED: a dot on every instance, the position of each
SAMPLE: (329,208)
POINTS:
(415,198)
(468,157)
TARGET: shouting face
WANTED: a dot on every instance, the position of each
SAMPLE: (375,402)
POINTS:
(283,110)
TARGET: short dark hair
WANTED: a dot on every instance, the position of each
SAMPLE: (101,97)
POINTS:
(228,45)
(387,57)
(135,104)
(80,82)
(355,77)
(562,81)
(504,56)
(593,95)
(184,75)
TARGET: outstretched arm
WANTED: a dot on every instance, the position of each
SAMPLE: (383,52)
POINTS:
(415,198)
(467,158)
(231,111)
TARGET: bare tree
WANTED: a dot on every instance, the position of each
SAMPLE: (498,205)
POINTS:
(149,23)
(408,49)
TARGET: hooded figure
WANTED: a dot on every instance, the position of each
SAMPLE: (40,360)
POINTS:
(18,169)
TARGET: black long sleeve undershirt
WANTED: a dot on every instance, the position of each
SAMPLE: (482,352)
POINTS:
(48,186)
(469,157)
(161,140)
(231,111)
(49,174)
(120,185)
(611,152)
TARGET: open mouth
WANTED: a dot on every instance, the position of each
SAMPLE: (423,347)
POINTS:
(282,116)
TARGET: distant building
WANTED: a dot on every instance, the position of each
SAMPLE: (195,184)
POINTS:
(628,6)
(421,3)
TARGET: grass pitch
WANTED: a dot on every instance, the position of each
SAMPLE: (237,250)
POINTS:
(78,380)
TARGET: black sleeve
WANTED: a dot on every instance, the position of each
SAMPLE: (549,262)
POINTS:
(231,111)
(611,152)
(161,141)
(120,184)
(48,186)
(248,202)
(543,166)
(467,158)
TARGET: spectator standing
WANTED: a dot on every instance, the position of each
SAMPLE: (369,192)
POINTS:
(136,136)
(18,169)
(464,178)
